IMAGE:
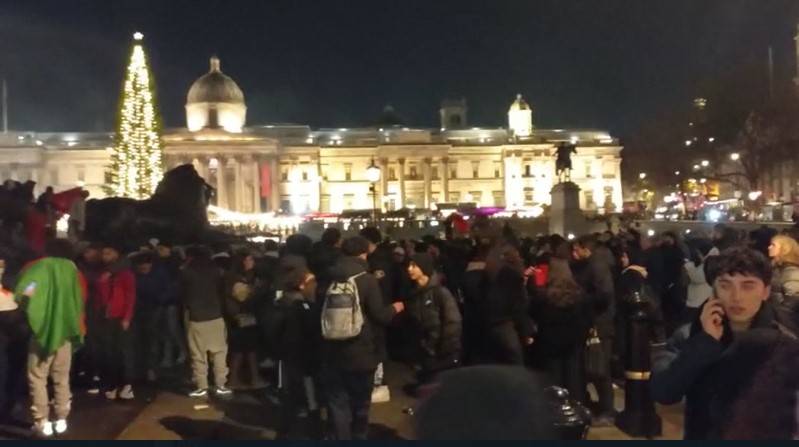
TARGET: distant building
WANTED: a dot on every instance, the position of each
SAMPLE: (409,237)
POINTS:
(298,169)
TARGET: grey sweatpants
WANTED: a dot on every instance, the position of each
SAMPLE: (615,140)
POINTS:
(208,338)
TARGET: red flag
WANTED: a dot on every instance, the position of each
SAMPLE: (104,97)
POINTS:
(62,201)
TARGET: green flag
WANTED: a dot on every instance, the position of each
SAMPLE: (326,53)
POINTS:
(55,290)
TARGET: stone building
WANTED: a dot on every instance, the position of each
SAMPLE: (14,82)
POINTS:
(297,169)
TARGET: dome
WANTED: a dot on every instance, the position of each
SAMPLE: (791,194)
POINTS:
(519,104)
(215,86)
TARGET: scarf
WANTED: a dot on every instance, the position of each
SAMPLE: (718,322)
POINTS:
(55,307)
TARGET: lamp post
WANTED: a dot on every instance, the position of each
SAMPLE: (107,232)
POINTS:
(373,175)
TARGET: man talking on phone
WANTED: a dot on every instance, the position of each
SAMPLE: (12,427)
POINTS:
(713,359)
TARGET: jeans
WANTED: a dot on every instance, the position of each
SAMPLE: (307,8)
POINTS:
(116,354)
(172,335)
(349,394)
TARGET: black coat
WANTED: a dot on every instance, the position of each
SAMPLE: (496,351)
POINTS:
(364,352)
(595,276)
(561,329)
(711,374)
(436,320)
(300,335)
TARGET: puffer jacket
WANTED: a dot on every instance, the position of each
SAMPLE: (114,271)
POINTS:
(437,320)
(363,352)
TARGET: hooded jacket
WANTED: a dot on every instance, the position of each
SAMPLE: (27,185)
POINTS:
(363,352)
(437,320)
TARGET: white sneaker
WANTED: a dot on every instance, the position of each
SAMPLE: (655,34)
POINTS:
(222,391)
(111,395)
(381,394)
(60,426)
(126,393)
(199,392)
(44,428)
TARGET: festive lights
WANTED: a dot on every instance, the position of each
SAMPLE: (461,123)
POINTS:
(137,156)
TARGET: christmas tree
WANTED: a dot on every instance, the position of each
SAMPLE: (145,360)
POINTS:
(137,157)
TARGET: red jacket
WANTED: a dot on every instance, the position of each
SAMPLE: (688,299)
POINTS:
(116,293)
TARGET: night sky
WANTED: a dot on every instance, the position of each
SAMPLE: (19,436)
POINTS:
(610,64)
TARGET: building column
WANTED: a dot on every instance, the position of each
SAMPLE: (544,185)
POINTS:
(383,182)
(444,168)
(202,167)
(221,182)
(427,186)
(274,177)
(507,173)
(402,183)
(238,182)
(255,175)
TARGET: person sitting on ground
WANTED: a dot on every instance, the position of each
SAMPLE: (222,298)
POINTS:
(700,361)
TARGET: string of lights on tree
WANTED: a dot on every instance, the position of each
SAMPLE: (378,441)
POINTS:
(137,156)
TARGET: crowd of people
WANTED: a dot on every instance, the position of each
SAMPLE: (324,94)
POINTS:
(320,323)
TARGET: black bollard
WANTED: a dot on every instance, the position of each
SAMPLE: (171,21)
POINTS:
(570,418)
(639,417)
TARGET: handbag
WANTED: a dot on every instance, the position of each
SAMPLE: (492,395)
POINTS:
(596,365)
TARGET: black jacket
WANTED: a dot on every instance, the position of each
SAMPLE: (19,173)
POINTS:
(363,352)
(201,287)
(561,329)
(709,373)
(300,333)
(436,319)
(506,301)
(595,276)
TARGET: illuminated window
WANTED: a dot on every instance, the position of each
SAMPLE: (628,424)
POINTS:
(477,196)
(499,198)
(528,196)
(497,169)
(434,173)
(453,172)
(392,174)
(455,197)
(348,172)
(589,198)
(284,174)
(475,169)
(413,174)
(305,176)
(528,170)
(587,166)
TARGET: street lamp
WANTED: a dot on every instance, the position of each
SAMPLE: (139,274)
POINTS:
(373,175)
(705,163)
(735,156)
(642,175)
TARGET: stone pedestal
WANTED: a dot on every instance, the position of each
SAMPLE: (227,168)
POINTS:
(565,215)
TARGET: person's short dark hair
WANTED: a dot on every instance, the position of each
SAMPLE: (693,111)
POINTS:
(355,246)
(142,258)
(116,246)
(738,260)
(331,236)
(587,241)
(298,244)
(372,235)
(59,248)
(292,270)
